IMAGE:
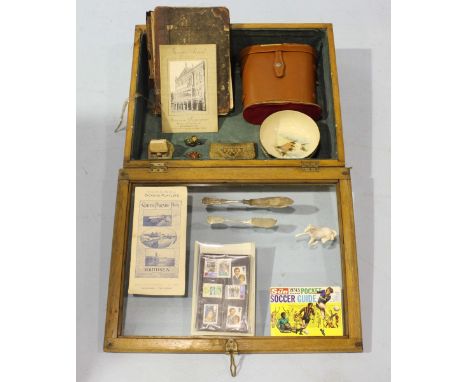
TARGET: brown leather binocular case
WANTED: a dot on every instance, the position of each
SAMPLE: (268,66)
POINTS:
(278,77)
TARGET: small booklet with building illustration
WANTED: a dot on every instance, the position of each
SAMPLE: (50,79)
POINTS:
(188,88)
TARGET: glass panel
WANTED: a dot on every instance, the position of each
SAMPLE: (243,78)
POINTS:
(281,258)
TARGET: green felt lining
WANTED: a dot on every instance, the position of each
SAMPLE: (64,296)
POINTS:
(233,128)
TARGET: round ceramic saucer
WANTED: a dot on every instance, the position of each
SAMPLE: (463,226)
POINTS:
(289,134)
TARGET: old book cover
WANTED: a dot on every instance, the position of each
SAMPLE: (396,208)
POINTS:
(188,88)
(306,311)
(158,251)
(188,26)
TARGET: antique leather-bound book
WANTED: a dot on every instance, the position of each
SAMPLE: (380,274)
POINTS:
(186,26)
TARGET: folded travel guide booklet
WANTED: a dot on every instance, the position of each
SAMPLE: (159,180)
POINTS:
(306,311)
(158,250)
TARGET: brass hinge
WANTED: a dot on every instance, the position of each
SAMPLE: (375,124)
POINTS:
(310,165)
(231,350)
(158,167)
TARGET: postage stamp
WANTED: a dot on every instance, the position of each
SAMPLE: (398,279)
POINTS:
(212,290)
(224,268)
(233,319)
(235,292)
(239,275)
(210,268)
(210,313)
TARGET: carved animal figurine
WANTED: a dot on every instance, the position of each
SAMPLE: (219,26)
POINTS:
(323,234)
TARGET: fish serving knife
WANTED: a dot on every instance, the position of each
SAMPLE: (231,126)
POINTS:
(270,202)
(253,222)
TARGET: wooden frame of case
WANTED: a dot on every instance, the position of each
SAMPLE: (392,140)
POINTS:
(216,172)
(128,178)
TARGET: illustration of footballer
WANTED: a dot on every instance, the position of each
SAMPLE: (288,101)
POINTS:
(325,296)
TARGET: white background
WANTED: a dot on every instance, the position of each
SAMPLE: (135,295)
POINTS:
(104,50)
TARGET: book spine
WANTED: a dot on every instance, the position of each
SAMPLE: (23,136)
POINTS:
(149,45)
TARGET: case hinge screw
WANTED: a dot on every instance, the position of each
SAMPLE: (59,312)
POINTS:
(231,350)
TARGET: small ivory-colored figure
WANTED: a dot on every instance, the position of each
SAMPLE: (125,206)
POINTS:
(323,234)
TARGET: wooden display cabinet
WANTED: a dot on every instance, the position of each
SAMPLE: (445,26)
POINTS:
(321,186)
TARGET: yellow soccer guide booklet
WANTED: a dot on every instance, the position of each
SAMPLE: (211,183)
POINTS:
(306,311)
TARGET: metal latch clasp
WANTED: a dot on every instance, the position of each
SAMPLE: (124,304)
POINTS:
(231,350)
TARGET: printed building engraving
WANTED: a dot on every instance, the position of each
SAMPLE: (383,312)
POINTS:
(188,89)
